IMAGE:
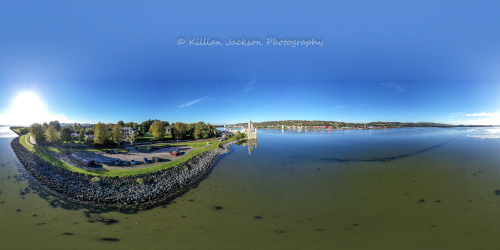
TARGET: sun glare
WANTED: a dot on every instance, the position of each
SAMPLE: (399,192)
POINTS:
(26,110)
(27,102)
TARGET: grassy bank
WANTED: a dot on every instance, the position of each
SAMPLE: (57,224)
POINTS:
(24,140)
(112,173)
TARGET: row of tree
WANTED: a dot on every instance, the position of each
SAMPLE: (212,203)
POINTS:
(48,132)
(193,130)
(105,134)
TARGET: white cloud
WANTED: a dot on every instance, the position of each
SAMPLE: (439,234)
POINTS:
(398,86)
(479,119)
(485,114)
(188,104)
(248,87)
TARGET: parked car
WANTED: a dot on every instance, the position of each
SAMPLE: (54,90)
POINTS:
(176,153)
(116,151)
(116,162)
(145,160)
(156,159)
(132,161)
(90,163)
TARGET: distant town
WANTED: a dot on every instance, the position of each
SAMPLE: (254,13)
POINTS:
(304,124)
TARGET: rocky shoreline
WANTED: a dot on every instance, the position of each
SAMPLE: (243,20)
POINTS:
(123,194)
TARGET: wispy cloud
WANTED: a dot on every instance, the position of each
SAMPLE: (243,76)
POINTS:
(398,86)
(337,107)
(482,118)
(191,103)
(485,114)
(248,87)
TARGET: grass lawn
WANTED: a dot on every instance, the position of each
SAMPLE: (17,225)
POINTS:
(63,150)
(113,173)
(150,136)
(192,144)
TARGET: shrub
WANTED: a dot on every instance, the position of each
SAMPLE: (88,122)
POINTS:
(140,180)
(95,179)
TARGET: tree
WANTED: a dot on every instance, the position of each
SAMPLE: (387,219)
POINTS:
(81,136)
(197,133)
(55,124)
(179,130)
(190,129)
(45,126)
(158,130)
(142,129)
(101,134)
(37,131)
(121,123)
(89,131)
(51,135)
(117,134)
(66,134)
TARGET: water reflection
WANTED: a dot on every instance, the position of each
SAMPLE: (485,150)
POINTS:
(5,132)
(485,133)
(251,144)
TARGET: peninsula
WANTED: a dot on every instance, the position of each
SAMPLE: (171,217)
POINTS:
(99,174)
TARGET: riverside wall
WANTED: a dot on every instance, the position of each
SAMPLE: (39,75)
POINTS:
(121,193)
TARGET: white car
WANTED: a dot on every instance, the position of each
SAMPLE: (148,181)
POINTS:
(132,162)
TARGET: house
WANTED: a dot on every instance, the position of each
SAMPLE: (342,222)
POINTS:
(168,130)
(128,131)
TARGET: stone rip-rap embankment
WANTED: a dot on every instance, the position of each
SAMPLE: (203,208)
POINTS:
(121,193)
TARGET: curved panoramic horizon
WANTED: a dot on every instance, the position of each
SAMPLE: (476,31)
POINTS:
(222,62)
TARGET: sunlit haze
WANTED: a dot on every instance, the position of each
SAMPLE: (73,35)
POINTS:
(26,110)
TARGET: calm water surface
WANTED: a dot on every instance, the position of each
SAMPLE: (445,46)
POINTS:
(417,188)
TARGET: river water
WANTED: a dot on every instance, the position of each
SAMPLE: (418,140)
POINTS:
(412,188)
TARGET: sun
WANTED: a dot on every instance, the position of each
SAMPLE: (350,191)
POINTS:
(25,110)
(27,102)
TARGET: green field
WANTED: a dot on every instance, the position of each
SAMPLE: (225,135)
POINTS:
(150,136)
(117,173)
(62,150)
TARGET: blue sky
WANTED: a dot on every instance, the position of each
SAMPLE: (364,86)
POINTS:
(409,61)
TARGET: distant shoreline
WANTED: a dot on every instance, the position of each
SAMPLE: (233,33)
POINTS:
(358,128)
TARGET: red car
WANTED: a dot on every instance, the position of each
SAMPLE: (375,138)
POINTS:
(176,153)
(90,163)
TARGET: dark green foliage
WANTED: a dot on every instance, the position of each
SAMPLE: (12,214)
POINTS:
(81,136)
(55,124)
(37,131)
(66,134)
